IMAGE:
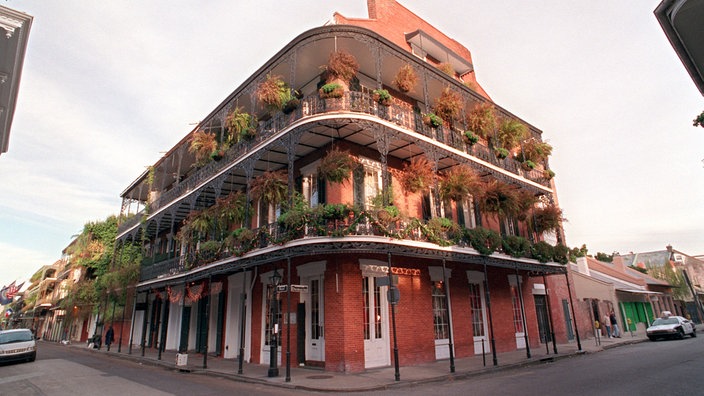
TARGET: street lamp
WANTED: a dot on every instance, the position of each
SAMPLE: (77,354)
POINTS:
(274,342)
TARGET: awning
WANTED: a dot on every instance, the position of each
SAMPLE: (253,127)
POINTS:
(633,291)
(420,40)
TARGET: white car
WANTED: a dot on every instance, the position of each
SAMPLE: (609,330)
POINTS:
(17,345)
(671,327)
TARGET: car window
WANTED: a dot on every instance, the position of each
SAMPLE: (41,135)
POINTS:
(15,336)
(668,321)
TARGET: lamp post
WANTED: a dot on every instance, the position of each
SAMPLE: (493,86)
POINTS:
(273,339)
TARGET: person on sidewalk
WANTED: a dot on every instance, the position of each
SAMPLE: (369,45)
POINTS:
(614,325)
(607,323)
(109,337)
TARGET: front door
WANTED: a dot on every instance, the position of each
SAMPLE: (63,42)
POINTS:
(185,326)
(314,319)
(568,320)
(541,312)
(376,323)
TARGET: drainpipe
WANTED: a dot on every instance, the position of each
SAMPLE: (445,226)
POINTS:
(491,321)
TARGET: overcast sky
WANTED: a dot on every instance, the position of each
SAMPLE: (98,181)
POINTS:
(108,86)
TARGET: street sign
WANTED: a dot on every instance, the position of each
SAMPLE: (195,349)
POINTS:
(299,288)
(282,288)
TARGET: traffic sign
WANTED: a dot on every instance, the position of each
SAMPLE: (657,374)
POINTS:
(299,288)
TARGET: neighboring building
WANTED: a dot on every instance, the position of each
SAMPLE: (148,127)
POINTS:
(338,233)
(15,25)
(636,298)
(38,300)
(682,22)
(672,265)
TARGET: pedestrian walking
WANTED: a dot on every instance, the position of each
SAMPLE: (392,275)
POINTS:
(606,320)
(614,325)
(109,337)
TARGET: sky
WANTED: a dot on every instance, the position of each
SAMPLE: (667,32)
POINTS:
(108,87)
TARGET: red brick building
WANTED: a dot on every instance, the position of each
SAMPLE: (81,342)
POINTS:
(396,207)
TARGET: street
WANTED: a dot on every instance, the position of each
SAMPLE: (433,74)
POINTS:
(63,370)
(647,368)
(671,367)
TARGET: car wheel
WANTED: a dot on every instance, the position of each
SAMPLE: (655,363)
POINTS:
(694,333)
(651,338)
(680,334)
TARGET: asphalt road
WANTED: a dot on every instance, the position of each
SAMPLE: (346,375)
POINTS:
(672,367)
(649,368)
(61,370)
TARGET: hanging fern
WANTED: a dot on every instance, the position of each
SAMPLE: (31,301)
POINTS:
(202,144)
(336,166)
(406,78)
(458,183)
(271,187)
(417,175)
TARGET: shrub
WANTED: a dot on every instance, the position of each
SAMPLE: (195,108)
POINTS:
(382,96)
(516,246)
(542,251)
(470,138)
(483,240)
(331,90)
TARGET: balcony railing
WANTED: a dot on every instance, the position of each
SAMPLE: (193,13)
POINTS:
(351,102)
(441,232)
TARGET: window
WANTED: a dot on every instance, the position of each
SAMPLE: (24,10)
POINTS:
(475,304)
(367,182)
(517,312)
(441,318)
(269,324)
(371,294)
(316,328)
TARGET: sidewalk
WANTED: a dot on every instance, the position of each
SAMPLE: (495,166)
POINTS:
(372,379)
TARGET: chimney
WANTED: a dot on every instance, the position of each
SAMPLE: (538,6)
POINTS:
(583,266)
(618,263)
(371,9)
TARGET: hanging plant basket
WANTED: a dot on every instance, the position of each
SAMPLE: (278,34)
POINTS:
(341,65)
(241,125)
(548,174)
(405,79)
(336,166)
(202,145)
(482,120)
(417,175)
(449,105)
(271,187)
(273,93)
(458,183)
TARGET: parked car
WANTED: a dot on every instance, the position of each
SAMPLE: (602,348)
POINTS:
(17,345)
(671,327)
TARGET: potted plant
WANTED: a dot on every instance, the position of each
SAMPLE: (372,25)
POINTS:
(342,67)
(202,145)
(470,138)
(449,105)
(546,218)
(529,165)
(501,153)
(336,166)
(382,96)
(331,90)
(406,78)
(548,174)
(432,120)
(417,175)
